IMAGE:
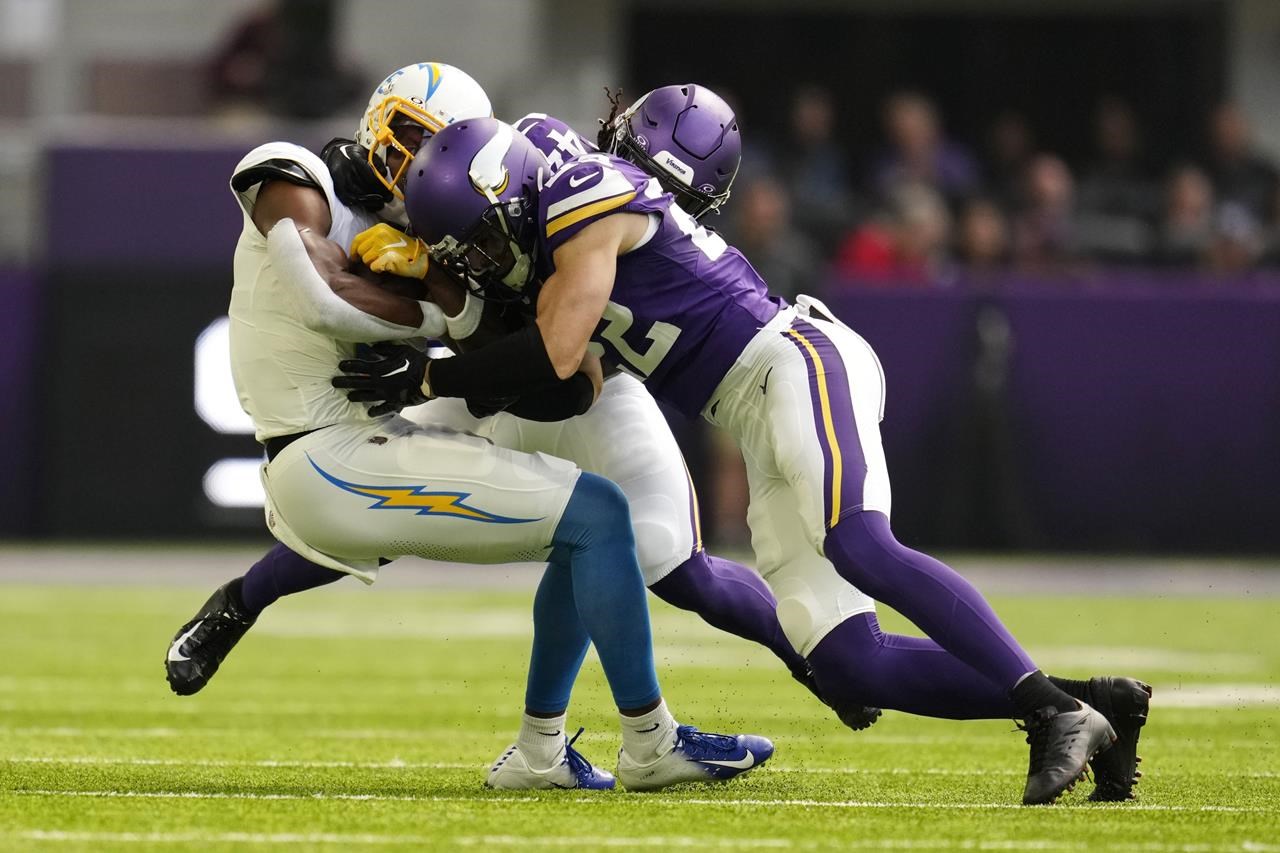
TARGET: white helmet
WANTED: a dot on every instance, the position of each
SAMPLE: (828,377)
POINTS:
(429,94)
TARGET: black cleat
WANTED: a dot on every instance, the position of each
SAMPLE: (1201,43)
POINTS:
(856,717)
(200,646)
(1124,702)
(1062,744)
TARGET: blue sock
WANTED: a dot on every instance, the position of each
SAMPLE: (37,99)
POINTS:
(932,595)
(595,539)
(281,572)
(560,641)
(731,597)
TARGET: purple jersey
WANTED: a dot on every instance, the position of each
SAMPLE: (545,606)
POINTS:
(684,304)
(558,142)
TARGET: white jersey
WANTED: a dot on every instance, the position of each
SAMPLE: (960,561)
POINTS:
(281,368)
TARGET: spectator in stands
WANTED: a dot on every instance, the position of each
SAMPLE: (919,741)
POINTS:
(1239,173)
(762,229)
(1237,242)
(1010,147)
(1044,229)
(982,244)
(1117,201)
(905,244)
(240,65)
(1185,230)
(918,152)
(282,57)
(815,170)
(1117,183)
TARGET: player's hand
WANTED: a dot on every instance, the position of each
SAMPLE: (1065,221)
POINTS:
(389,378)
(387,249)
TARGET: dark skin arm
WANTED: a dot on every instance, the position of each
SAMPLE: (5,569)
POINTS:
(309,210)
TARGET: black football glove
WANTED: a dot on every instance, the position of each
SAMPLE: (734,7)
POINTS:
(389,376)
(353,179)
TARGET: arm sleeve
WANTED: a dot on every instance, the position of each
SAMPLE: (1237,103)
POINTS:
(324,311)
(511,366)
(565,399)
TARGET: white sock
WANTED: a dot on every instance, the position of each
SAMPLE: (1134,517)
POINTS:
(541,740)
(649,736)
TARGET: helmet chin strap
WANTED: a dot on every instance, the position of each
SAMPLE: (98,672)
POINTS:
(518,276)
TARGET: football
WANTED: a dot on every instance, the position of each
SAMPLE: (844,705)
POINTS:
(410,288)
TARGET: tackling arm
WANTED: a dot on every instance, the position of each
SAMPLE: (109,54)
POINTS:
(570,306)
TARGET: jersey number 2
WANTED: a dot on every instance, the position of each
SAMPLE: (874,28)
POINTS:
(661,337)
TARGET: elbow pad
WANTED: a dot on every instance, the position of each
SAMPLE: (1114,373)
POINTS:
(569,398)
(324,311)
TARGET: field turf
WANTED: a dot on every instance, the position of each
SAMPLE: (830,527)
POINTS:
(355,718)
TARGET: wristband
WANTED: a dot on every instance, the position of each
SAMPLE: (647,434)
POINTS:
(434,323)
(465,324)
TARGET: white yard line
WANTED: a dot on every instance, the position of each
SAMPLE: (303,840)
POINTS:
(649,800)
(599,841)
(427,733)
(397,764)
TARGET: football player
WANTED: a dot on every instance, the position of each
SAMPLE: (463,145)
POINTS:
(624,437)
(346,488)
(617,268)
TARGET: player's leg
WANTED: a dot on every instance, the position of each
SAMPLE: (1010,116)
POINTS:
(199,647)
(397,488)
(819,424)
(594,589)
(1064,733)
(625,438)
(542,756)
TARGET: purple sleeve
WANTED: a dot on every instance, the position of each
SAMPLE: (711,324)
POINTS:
(558,142)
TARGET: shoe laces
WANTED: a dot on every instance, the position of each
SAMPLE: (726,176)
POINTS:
(706,741)
(577,762)
(1037,729)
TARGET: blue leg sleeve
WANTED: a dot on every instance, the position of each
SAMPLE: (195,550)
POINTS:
(560,640)
(595,538)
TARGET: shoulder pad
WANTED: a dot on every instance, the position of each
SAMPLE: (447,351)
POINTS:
(273,170)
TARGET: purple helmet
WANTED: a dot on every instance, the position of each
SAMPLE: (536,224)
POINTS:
(472,196)
(687,137)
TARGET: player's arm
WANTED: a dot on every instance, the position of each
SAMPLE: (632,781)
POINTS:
(332,299)
(551,352)
(574,298)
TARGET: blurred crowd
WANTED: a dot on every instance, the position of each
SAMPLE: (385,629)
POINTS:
(928,210)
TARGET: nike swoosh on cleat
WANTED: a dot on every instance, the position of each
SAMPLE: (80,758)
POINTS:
(740,764)
(573,182)
(175,653)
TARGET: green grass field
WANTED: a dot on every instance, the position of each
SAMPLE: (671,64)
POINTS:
(353,718)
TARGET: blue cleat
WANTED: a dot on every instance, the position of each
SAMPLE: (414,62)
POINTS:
(696,757)
(512,772)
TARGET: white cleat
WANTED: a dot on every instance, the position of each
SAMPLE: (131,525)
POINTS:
(696,757)
(512,772)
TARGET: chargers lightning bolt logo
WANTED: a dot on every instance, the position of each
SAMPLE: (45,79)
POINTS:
(419,499)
